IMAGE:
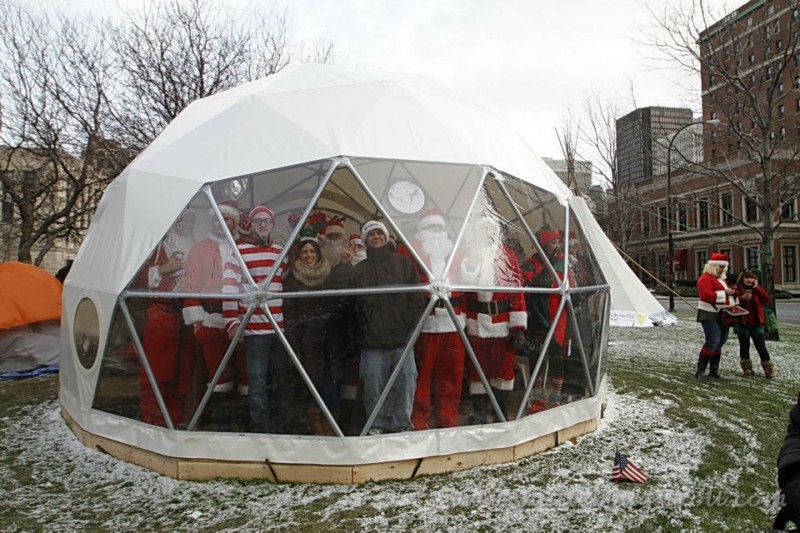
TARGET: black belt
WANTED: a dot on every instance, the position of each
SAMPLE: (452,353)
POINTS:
(454,301)
(212,307)
(489,308)
(173,304)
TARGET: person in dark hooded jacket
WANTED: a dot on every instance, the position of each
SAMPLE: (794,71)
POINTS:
(789,471)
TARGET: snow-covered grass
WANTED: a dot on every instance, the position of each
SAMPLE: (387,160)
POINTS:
(709,448)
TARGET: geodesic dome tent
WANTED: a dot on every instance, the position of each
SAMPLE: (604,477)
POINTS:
(215,357)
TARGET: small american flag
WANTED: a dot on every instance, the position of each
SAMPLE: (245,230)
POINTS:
(625,469)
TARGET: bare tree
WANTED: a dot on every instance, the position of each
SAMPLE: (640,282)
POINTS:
(81,96)
(53,80)
(568,141)
(745,60)
(622,203)
(178,51)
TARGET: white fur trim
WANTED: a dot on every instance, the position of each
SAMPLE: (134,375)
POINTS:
(244,390)
(484,327)
(230,211)
(439,321)
(194,314)
(430,220)
(705,306)
(224,387)
(518,319)
(718,263)
(214,321)
(153,277)
(476,387)
(721,297)
(501,384)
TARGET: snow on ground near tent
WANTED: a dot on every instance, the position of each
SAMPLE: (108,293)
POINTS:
(72,487)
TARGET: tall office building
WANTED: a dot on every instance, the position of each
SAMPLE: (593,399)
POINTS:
(640,136)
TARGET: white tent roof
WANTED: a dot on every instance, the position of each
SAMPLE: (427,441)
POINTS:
(305,113)
(631,303)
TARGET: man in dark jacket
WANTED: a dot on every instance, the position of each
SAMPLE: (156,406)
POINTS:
(387,321)
(789,471)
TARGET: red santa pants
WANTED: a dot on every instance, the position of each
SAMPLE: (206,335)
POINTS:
(167,344)
(496,357)
(213,343)
(440,368)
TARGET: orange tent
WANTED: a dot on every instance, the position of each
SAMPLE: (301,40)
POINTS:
(28,294)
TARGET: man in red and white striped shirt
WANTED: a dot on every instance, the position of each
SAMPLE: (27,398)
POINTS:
(264,351)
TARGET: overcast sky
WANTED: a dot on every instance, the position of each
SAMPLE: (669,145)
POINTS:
(530,61)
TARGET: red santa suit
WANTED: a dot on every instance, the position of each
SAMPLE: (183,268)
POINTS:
(204,269)
(439,351)
(492,316)
(166,340)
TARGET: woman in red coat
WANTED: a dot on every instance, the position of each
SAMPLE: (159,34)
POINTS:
(714,294)
(753,297)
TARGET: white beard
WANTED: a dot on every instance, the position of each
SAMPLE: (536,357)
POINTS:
(438,246)
(332,251)
(177,243)
(486,275)
(358,257)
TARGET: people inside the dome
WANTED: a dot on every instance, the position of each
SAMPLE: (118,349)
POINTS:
(387,321)
(265,354)
(204,271)
(166,340)
(333,242)
(439,351)
(542,312)
(305,328)
(496,321)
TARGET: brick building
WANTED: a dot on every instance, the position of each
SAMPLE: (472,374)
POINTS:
(750,68)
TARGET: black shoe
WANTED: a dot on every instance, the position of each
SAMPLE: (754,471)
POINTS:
(714,374)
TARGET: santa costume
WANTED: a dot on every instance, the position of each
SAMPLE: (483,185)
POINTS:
(439,351)
(492,319)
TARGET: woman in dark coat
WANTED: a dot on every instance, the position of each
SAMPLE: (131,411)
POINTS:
(304,322)
(752,297)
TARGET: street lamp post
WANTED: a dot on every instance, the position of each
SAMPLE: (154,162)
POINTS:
(670,239)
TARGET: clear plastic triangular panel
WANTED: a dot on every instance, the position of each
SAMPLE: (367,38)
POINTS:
(495,317)
(428,201)
(582,261)
(121,377)
(563,375)
(590,317)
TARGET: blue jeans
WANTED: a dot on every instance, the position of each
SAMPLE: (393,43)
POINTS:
(716,336)
(376,367)
(266,355)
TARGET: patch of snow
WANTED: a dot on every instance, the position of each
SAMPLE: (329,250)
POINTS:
(71,487)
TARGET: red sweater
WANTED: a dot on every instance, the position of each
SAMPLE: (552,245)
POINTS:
(755,305)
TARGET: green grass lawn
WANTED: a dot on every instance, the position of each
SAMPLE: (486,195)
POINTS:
(710,449)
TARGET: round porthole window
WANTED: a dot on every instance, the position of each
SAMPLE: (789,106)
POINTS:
(86,332)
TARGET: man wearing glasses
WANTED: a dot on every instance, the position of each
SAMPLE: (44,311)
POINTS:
(263,350)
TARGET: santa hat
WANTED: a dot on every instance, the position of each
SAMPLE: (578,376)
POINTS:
(229,207)
(244,224)
(372,225)
(718,259)
(261,210)
(355,240)
(431,217)
(546,236)
(334,226)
